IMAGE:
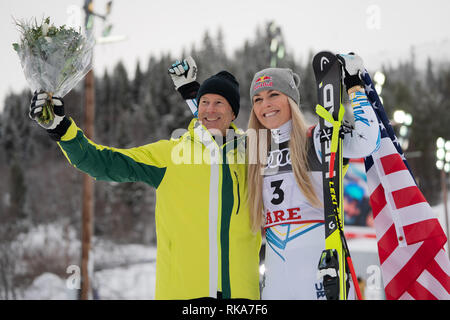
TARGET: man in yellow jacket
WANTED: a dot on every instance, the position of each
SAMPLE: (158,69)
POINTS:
(205,246)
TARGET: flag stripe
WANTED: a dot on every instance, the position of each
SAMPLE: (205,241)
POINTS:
(387,244)
(398,180)
(432,284)
(441,258)
(414,214)
(419,292)
(410,238)
(412,269)
(372,178)
(406,296)
(402,276)
(386,148)
(377,200)
(436,271)
(424,229)
(395,262)
(407,196)
(382,222)
(392,163)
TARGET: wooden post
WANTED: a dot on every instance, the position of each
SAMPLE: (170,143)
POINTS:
(88,192)
(88,183)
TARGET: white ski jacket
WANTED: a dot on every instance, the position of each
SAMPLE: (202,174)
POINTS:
(295,235)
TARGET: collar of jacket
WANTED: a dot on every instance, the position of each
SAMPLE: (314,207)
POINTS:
(199,133)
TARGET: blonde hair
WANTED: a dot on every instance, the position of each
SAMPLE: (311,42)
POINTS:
(298,145)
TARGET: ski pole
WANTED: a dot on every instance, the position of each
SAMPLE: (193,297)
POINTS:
(349,259)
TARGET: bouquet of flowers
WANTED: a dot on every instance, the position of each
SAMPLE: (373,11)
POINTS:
(53,59)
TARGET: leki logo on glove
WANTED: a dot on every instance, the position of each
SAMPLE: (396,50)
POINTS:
(262,82)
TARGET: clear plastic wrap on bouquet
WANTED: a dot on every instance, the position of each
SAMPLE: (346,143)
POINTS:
(54,59)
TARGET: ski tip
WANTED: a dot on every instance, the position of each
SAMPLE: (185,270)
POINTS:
(323,62)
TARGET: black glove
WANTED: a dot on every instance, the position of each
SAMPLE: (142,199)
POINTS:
(353,67)
(56,127)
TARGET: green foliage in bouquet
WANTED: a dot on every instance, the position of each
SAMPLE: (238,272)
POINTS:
(54,59)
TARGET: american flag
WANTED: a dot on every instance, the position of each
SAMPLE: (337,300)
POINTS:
(410,238)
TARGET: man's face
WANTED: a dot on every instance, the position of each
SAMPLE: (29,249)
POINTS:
(215,113)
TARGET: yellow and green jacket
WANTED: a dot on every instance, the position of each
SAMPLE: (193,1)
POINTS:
(204,240)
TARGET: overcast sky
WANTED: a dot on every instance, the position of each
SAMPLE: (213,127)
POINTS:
(381,31)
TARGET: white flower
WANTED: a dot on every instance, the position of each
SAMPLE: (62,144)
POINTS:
(44,29)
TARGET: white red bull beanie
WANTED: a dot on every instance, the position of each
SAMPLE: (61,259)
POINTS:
(280,79)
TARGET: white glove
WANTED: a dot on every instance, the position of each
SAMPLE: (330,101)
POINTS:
(184,72)
(37,107)
(353,63)
(353,68)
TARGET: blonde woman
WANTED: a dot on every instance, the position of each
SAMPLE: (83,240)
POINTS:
(285,184)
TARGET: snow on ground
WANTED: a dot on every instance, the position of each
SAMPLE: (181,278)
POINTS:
(127,272)
(120,271)
(136,282)
(47,286)
(130,280)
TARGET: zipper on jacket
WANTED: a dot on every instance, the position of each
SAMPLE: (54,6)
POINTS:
(239,196)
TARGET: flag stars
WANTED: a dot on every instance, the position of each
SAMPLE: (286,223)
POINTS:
(395,141)
(364,73)
(374,104)
(369,89)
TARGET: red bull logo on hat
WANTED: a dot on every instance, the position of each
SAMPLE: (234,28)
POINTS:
(263,78)
(264,81)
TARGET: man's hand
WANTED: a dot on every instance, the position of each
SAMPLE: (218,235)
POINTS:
(37,107)
(57,127)
(183,73)
(353,67)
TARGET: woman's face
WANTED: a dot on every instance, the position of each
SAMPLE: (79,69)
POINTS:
(272,108)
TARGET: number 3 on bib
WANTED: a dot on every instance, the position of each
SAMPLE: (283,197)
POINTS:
(278,199)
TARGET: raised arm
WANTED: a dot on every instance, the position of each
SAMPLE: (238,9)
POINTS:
(184,76)
(364,138)
(146,163)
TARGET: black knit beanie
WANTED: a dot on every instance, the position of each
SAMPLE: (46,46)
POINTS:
(224,84)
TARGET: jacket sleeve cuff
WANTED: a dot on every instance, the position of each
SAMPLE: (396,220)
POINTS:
(189,90)
(351,81)
(60,130)
(71,132)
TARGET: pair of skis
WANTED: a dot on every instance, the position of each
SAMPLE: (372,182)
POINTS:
(335,261)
